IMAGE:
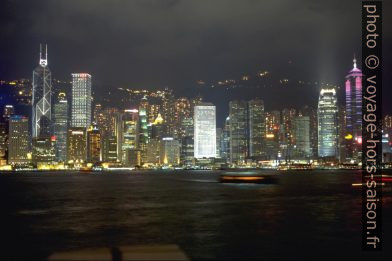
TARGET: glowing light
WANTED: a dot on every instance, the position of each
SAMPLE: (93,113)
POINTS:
(242,178)
(132,110)
(270,135)
(327,91)
(348,137)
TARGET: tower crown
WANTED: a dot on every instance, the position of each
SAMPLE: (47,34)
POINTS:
(43,61)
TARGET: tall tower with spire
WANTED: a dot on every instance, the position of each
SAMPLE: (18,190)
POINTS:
(42,97)
(353,84)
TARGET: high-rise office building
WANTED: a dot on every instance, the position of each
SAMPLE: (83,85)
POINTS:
(143,133)
(353,87)
(42,98)
(168,111)
(60,120)
(129,133)
(77,145)
(94,144)
(301,137)
(153,151)
(225,140)
(169,152)
(238,114)
(43,150)
(256,128)
(108,121)
(153,111)
(18,140)
(219,132)
(97,113)
(81,100)
(187,141)
(109,149)
(272,136)
(205,131)
(8,111)
(286,132)
(181,111)
(312,114)
(327,124)
(3,143)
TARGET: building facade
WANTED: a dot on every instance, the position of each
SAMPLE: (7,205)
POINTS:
(18,140)
(94,144)
(238,131)
(327,114)
(77,145)
(60,120)
(256,129)
(42,98)
(301,133)
(81,100)
(205,131)
(353,91)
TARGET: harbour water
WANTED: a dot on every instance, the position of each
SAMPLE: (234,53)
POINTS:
(308,214)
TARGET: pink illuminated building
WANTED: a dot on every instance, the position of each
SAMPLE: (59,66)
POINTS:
(353,89)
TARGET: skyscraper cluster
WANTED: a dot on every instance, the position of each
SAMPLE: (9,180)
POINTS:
(156,129)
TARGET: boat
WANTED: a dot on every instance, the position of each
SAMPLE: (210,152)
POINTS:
(248,178)
(295,166)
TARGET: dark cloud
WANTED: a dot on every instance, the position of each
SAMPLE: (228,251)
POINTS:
(173,43)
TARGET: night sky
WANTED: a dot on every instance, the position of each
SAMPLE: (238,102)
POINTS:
(153,44)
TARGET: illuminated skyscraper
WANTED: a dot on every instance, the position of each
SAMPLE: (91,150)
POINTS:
(256,128)
(109,149)
(3,143)
(60,119)
(94,144)
(18,143)
(327,124)
(143,133)
(312,114)
(42,98)
(225,140)
(181,111)
(97,114)
(129,138)
(238,131)
(353,89)
(354,101)
(77,143)
(43,150)
(169,152)
(153,111)
(81,100)
(301,137)
(205,131)
(187,141)
(272,136)
(8,111)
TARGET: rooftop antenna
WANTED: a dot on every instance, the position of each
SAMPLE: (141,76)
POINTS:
(355,62)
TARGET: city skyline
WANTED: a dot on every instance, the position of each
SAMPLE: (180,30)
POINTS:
(180,131)
(195,130)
